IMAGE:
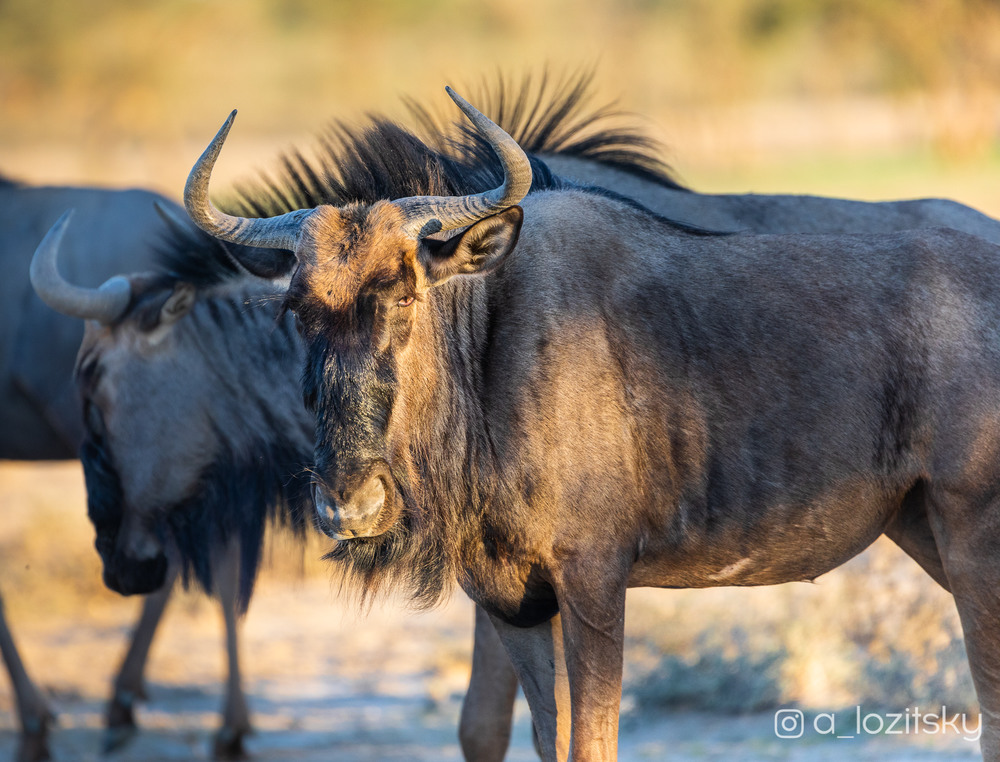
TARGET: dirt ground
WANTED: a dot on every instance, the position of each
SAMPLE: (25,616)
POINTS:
(323,682)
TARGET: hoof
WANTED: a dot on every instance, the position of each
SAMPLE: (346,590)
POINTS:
(34,743)
(34,747)
(120,722)
(118,738)
(228,744)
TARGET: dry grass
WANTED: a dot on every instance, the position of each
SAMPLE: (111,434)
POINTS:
(876,632)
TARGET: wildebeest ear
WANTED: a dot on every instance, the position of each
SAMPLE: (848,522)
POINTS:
(477,251)
(264,263)
(178,304)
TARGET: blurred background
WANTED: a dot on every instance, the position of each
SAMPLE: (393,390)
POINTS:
(871,99)
(837,95)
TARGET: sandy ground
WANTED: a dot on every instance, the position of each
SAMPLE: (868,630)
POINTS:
(323,682)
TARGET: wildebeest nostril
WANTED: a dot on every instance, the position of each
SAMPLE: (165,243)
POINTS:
(325,506)
(369,499)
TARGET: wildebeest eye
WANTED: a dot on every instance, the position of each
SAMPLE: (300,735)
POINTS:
(298,324)
(406,301)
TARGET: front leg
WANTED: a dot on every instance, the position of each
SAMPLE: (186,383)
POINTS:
(32,708)
(593,629)
(129,685)
(537,655)
(228,743)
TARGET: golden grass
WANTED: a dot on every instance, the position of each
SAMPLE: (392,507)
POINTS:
(877,631)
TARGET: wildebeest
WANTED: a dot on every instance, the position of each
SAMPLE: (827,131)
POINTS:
(166,450)
(40,415)
(572,395)
(176,331)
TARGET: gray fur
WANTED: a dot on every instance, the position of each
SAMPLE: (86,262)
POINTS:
(113,232)
(778,213)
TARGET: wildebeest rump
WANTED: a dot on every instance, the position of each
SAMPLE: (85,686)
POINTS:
(574,396)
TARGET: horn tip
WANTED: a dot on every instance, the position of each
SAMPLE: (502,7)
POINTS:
(459,100)
(64,219)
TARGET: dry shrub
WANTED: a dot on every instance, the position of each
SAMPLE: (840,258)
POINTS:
(877,632)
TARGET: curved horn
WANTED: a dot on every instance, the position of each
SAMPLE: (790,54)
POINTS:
(429,214)
(278,232)
(105,304)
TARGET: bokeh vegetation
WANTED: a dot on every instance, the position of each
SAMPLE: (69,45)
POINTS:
(726,83)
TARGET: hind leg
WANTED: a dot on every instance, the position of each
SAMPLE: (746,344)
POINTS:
(969,542)
(129,685)
(228,742)
(488,708)
(32,709)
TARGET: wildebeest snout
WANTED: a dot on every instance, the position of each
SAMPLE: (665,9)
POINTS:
(129,576)
(352,509)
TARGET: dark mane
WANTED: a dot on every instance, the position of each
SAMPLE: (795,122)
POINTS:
(191,255)
(381,160)
(384,160)
(240,495)
(554,117)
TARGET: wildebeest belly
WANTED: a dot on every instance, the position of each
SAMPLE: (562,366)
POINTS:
(709,545)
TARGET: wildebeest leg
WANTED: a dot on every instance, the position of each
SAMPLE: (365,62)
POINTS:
(536,654)
(235,714)
(488,709)
(593,625)
(32,709)
(966,533)
(911,530)
(129,685)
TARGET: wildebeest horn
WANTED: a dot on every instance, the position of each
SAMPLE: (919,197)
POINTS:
(429,214)
(423,214)
(270,232)
(105,304)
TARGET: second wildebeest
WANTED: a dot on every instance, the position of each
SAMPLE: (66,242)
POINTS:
(40,412)
(572,396)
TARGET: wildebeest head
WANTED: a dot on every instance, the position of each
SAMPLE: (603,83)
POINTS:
(181,450)
(121,350)
(360,288)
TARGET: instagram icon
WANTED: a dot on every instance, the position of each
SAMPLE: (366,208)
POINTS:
(789,723)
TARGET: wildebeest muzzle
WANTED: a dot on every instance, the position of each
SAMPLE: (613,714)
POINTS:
(360,505)
(124,572)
